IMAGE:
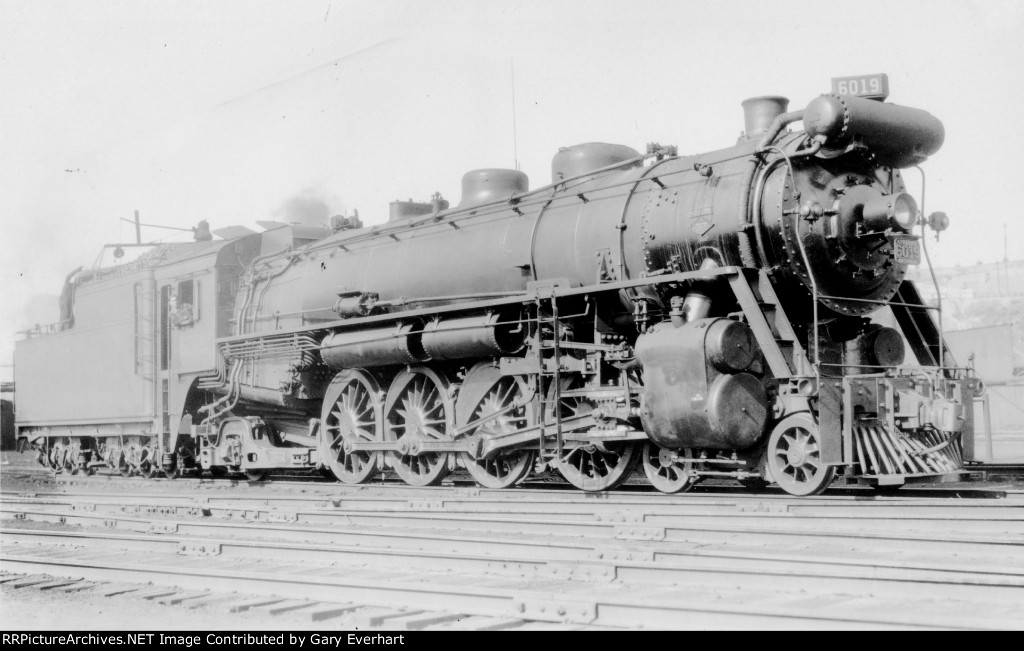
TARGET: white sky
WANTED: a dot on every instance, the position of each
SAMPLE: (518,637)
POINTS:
(223,110)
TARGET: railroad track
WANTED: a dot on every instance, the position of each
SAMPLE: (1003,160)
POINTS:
(997,506)
(621,559)
(319,484)
(980,473)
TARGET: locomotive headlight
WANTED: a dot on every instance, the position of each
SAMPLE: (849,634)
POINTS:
(897,211)
(904,212)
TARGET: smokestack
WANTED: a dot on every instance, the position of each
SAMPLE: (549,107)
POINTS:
(760,112)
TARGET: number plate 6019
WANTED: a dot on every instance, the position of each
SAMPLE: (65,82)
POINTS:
(906,250)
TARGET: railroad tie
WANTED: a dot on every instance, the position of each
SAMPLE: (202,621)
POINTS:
(156,593)
(175,599)
(285,606)
(212,600)
(113,589)
(329,611)
(60,583)
(253,603)
(376,617)
(30,580)
(422,620)
(79,587)
(484,623)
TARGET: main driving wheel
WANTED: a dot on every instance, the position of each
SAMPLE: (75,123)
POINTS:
(352,412)
(794,456)
(484,393)
(417,409)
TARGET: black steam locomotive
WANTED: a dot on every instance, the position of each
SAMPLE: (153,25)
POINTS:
(741,313)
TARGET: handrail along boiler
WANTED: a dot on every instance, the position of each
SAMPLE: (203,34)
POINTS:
(742,313)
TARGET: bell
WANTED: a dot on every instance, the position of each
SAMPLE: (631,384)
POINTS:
(201,232)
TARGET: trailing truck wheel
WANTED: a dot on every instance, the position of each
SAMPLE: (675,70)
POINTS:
(794,457)
(148,469)
(669,471)
(54,460)
(504,395)
(256,475)
(418,408)
(352,412)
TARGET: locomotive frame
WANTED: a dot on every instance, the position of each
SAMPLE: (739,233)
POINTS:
(708,321)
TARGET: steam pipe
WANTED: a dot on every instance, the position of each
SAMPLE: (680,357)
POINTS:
(777,125)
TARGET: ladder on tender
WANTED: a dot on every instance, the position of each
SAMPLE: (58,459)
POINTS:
(548,379)
(145,333)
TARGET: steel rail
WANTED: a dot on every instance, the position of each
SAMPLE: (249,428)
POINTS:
(601,532)
(557,493)
(979,498)
(1007,512)
(539,485)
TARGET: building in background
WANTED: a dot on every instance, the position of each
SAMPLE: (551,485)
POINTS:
(988,349)
(977,297)
(983,323)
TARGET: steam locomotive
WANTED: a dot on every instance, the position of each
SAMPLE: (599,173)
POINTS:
(741,313)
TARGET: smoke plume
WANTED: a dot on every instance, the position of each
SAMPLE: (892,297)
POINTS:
(311,206)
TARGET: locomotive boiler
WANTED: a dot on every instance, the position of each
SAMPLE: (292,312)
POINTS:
(741,313)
